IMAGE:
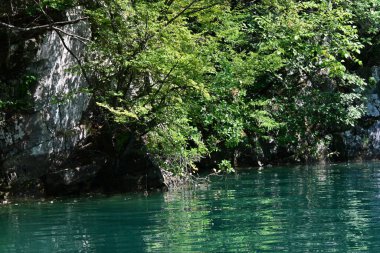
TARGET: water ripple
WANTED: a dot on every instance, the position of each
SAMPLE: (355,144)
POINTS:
(280,209)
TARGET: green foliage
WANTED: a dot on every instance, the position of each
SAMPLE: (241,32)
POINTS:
(18,96)
(194,77)
(156,73)
(311,93)
(176,146)
(225,166)
(38,8)
(367,18)
(59,4)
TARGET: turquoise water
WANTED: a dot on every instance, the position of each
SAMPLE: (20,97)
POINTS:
(281,209)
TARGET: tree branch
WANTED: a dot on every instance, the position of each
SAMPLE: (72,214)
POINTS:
(40,27)
(202,8)
(181,12)
(81,39)
(75,57)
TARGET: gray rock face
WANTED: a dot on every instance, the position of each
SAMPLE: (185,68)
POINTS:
(31,143)
(373,106)
(363,142)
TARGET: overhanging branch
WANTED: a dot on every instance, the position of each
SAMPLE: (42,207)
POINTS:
(41,27)
(80,38)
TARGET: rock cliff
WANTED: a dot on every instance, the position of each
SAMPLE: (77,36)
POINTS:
(43,136)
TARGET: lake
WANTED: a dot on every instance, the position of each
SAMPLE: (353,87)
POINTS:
(334,208)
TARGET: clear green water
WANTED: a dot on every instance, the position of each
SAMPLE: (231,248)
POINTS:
(280,209)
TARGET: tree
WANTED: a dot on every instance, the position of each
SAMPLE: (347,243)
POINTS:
(151,60)
(192,78)
(312,94)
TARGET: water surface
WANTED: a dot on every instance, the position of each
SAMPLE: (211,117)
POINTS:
(281,209)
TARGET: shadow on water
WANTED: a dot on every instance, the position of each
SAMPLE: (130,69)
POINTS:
(332,208)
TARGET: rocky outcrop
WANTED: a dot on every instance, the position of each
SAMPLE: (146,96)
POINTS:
(38,140)
(52,146)
(363,141)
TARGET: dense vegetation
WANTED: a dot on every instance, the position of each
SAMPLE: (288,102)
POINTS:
(191,79)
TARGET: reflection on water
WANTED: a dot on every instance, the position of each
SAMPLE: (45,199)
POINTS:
(281,209)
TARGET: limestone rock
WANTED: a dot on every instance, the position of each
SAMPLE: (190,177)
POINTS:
(36,141)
